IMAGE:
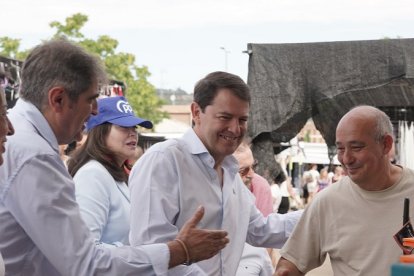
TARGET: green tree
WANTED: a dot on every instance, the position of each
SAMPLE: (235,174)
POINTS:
(119,65)
(9,47)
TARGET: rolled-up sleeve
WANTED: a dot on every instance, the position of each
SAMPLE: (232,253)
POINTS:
(271,231)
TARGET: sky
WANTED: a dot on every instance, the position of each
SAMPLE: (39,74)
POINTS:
(181,41)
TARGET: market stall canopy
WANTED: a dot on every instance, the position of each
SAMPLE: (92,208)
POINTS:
(307,153)
(291,83)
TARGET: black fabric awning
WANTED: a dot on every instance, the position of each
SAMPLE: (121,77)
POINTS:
(291,83)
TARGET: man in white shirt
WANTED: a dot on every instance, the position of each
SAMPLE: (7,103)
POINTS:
(42,232)
(175,176)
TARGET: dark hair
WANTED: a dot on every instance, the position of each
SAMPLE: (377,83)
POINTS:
(59,63)
(207,88)
(278,177)
(95,148)
(70,148)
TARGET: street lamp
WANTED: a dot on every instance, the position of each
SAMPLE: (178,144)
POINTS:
(226,52)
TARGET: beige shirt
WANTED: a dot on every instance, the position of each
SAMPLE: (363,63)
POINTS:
(355,227)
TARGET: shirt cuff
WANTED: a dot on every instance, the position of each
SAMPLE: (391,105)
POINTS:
(159,255)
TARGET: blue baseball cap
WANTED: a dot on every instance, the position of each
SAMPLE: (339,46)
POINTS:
(117,111)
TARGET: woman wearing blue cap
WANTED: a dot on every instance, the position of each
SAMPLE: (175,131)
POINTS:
(99,166)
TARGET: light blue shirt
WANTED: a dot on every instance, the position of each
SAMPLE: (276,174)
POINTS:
(42,232)
(173,178)
(104,204)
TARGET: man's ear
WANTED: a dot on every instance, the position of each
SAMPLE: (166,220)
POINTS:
(57,98)
(195,112)
(387,143)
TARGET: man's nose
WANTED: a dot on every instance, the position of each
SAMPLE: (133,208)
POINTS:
(347,157)
(235,126)
(250,173)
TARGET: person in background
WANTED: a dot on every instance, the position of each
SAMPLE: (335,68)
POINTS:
(287,193)
(310,178)
(257,184)
(338,174)
(6,129)
(276,191)
(255,261)
(354,221)
(323,179)
(42,231)
(98,168)
(175,176)
(276,196)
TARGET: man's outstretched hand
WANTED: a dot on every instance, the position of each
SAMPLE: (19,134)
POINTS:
(201,244)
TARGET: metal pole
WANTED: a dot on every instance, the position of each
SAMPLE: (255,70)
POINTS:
(226,52)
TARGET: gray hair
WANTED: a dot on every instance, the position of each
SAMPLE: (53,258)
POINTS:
(383,126)
(59,63)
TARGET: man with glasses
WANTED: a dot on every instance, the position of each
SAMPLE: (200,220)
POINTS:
(254,260)
(257,184)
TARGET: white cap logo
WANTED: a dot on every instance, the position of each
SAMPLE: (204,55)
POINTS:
(123,107)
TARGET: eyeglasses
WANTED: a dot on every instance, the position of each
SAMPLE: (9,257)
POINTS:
(244,171)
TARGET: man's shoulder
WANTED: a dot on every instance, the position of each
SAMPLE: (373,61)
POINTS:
(170,146)
(29,143)
(409,172)
(407,177)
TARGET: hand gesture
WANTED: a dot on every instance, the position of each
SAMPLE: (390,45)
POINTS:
(201,243)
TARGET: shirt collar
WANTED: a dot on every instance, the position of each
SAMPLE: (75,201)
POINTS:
(37,120)
(196,147)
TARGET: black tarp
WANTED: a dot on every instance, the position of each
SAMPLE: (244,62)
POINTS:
(291,83)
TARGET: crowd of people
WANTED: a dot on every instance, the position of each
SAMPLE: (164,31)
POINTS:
(188,206)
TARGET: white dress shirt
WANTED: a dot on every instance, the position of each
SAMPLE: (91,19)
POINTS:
(104,204)
(42,232)
(255,261)
(173,178)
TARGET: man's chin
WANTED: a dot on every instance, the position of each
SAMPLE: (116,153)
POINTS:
(78,137)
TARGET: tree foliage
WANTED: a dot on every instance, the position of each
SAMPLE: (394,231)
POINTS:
(120,66)
(10,47)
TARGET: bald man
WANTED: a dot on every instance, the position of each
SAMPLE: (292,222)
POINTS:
(354,220)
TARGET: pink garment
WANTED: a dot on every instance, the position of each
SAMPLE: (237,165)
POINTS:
(261,190)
